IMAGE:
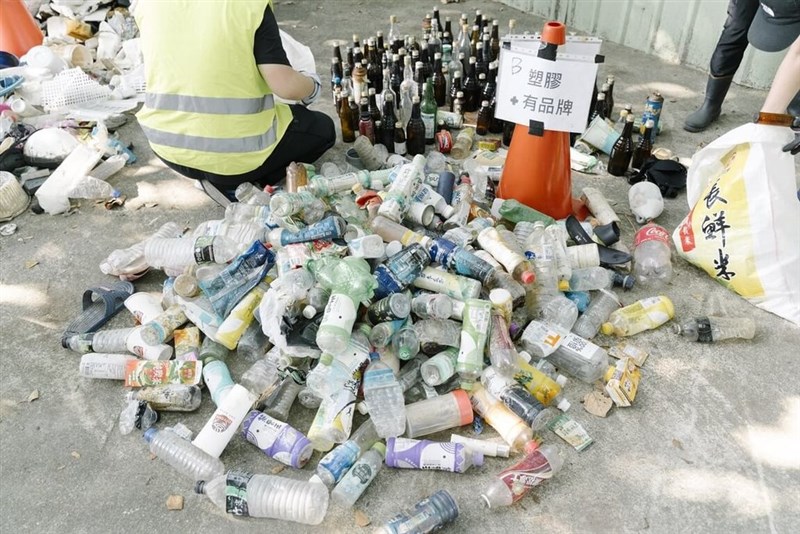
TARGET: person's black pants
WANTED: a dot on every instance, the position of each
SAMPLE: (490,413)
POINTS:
(733,41)
(309,136)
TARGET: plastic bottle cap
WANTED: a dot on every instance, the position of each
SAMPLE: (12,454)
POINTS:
(309,312)
(464,407)
(149,434)
(563,285)
(528,277)
(477,458)
(561,380)
(503,450)
(607,329)
(563,405)
(362,408)
(380,447)
(525,355)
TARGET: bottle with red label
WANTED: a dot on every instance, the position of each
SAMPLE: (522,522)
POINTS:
(513,483)
(652,265)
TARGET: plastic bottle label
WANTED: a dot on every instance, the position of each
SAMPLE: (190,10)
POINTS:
(154,373)
(236,492)
(704,330)
(275,438)
(204,249)
(429,455)
(340,312)
(218,379)
(651,232)
(530,472)
(579,346)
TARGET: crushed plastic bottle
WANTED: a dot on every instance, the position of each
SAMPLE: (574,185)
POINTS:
(710,329)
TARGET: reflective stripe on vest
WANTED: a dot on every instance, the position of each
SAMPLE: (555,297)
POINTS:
(210,105)
(253,143)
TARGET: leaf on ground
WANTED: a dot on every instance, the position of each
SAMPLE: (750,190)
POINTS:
(362,520)
(175,502)
(677,444)
(596,403)
(76,455)
(277,469)
(33,396)
(30,264)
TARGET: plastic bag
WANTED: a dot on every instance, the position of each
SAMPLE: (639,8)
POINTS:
(743,228)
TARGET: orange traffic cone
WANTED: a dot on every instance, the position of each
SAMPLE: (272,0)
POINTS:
(18,31)
(537,169)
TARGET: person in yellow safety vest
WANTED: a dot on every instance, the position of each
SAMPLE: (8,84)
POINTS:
(212,70)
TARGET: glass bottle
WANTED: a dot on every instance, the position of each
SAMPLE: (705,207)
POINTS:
(415,131)
(599,107)
(399,139)
(346,120)
(407,90)
(374,69)
(434,43)
(374,111)
(471,88)
(494,43)
(396,78)
(455,89)
(439,81)
(604,92)
(484,119)
(610,94)
(336,74)
(387,87)
(354,114)
(393,36)
(388,120)
(622,151)
(366,124)
(428,111)
(645,146)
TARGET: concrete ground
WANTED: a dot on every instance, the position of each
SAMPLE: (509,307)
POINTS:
(710,444)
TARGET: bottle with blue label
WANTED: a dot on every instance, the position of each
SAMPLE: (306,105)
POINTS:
(360,476)
(400,270)
(333,466)
(428,515)
(462,261)
(329,228)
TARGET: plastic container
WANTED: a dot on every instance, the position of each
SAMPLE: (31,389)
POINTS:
(485,447)
(384,394)
(169,398)
(652,264)
(426,516)
(644,314)
(180,253)
(511,428)
(601,307)
(184,457)
(511,484)
(474,334)
(438,369)
(438,413)
(278,440)
(360,476)
(592,278)
(709,329)
(516,398)
(432,306)
(333,466)
(220,428)
(404,453)
(109,341)
(244,494)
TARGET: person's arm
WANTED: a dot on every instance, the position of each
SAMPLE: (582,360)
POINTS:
(274,66)
(786,83)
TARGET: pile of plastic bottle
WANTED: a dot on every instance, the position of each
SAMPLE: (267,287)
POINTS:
(346,294)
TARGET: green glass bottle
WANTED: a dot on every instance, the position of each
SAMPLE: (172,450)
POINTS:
(428,110)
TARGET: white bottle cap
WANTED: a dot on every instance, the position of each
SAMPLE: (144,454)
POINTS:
(483,447)
(561,380)
(309,312)
(362,408)
(525,355)
(563,405)
(393,247)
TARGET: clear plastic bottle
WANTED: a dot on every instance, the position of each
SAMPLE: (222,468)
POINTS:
(136,414)
(592,278)
(558,236)
(543,387)
(169,398)
(400,270)
(511,484)
(515,264)
(560,312)
(600,308)
(404,185)
(184,457)
(438,369)
(510,426)
(516,398)
(280,402)
(652,263)
(434,334)
(384,394)
(405,343)
(432,306)
(350,282)
(333,466)
(109,341)
(462,202)
(262,378)
(245,494)
(428,515)
(247,193)
(438,413)
(540,244)
(709,329)
(285,204)
(182,252)
(474,335)
(131,260)
(644,314)
(253,343)
(359,477)
(502,353)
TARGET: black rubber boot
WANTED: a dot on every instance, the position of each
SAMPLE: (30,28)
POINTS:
(794,106)
(716,89)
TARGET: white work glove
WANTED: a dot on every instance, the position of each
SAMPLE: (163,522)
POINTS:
(310,99)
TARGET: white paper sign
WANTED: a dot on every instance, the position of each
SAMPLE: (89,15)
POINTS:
(556,93)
